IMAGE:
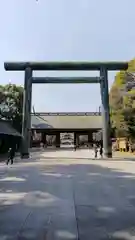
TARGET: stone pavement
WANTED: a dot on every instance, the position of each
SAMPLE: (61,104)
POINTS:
(64,195)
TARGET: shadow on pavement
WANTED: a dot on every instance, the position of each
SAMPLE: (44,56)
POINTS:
(78,154)
(61,149)
(67,201)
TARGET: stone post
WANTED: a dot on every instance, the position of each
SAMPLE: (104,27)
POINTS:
(26,120)
(89,138)
(107,145)
(77,140)
(44,138)
(74,139)
(58,140)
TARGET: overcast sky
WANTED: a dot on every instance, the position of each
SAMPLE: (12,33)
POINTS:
(93,30)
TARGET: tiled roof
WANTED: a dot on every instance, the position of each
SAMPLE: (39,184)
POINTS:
(66,121)
(7,129)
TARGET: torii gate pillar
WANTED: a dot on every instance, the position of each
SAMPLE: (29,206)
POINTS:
(26,119)
(106,129)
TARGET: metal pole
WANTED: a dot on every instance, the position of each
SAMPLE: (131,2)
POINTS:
(107,145)
(26,121)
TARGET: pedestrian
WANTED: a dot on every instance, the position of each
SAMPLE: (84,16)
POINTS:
(11,154)
(101,151)
(95,150)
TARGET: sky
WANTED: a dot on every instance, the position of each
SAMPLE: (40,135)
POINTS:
(62,30)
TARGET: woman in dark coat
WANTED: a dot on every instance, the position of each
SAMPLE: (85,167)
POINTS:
(101,151)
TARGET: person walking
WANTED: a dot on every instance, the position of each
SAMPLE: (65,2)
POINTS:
(95,150)
(11,154)
(101,151)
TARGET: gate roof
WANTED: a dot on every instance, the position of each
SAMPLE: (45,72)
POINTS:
(89,120)
(7,129)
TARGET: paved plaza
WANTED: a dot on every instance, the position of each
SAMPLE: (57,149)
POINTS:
(67,195)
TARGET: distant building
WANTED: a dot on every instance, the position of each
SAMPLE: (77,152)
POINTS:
(63,124)
(66,121)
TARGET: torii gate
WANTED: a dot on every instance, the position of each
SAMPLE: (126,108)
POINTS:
(29,67)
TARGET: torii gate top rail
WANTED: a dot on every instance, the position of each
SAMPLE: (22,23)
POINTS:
(66,66)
